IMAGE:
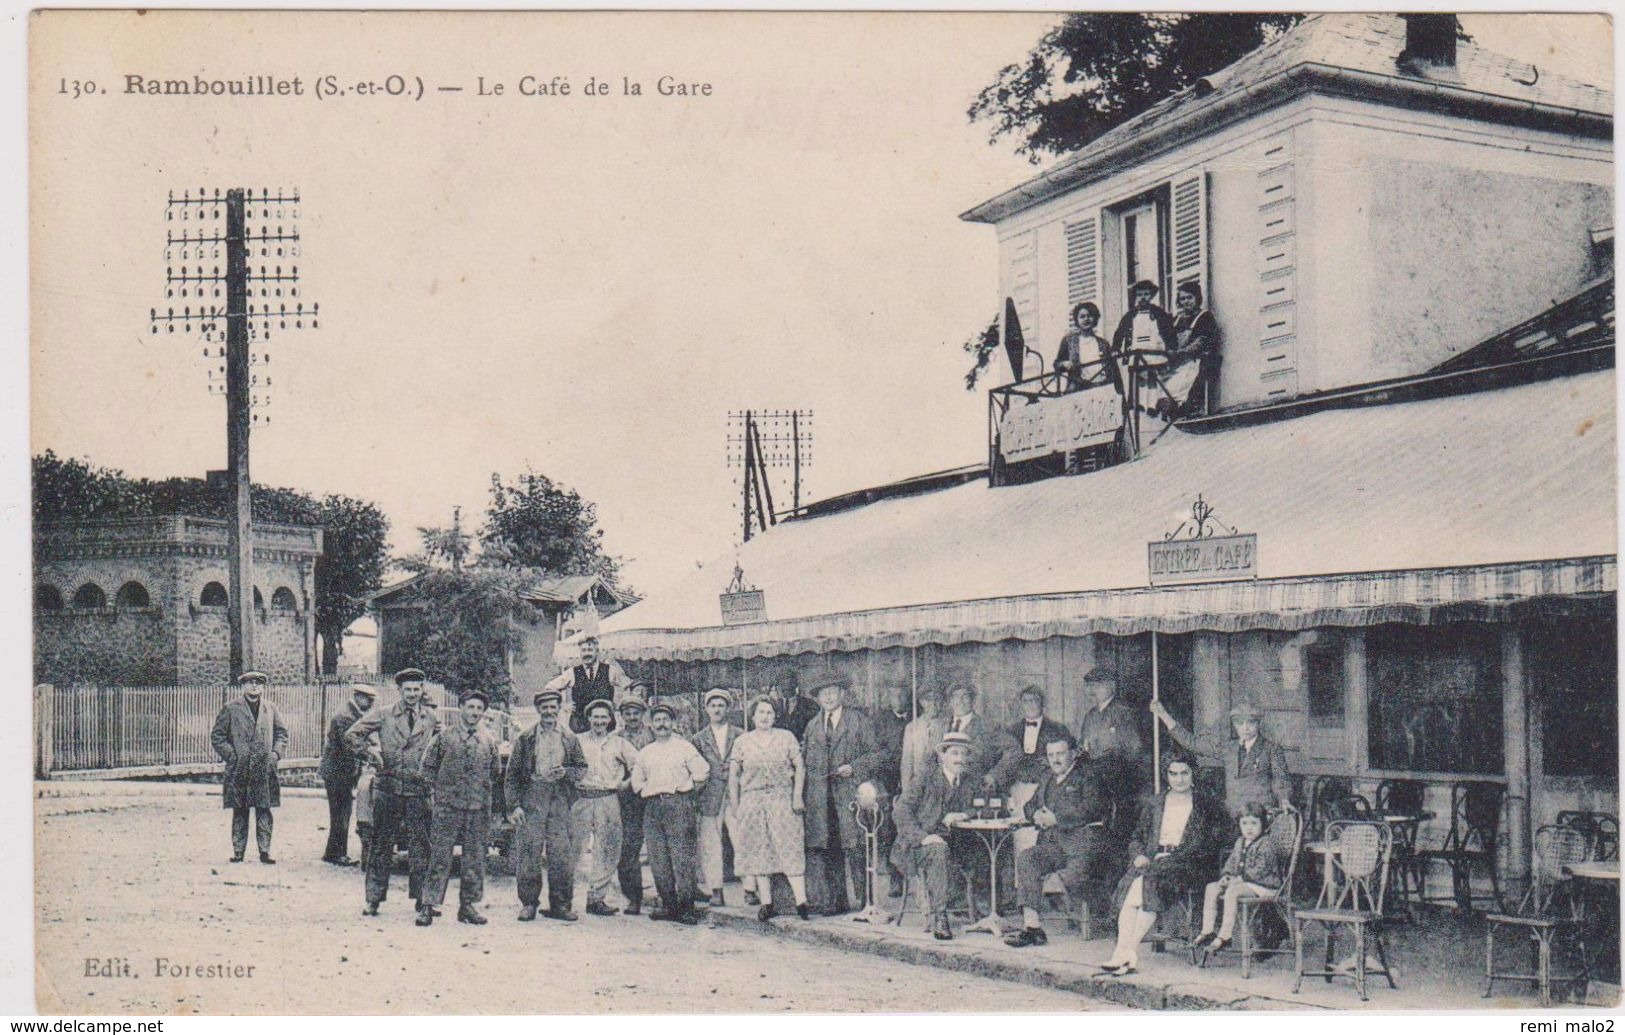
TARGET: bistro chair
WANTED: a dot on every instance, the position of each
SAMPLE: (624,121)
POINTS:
(1601,827)
(1356,877)
(1549,910)
(1286,833)
(1475,831)
(1399,803)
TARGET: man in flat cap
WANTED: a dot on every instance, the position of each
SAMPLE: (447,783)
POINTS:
(250,738)
(666,775)
(340,770)
(595,817)
(592,680)
(400,805)
(629,873)
(1254,767)
(714,743)
(540,787)
(463,766)
(925,815)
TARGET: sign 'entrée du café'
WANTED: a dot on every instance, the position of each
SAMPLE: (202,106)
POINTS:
(1210,559)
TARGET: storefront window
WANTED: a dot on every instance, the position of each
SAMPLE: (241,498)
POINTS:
(1323,676)
(1435,698)
(1574,674)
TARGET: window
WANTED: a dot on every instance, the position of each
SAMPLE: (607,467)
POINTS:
(1323,679)
(214,595)
(90,596)
(283,599)
(47,598)
(133,594)
(1574,677)
(1435,698)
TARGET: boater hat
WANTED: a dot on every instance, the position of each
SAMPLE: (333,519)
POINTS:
(953,739)
(409,675)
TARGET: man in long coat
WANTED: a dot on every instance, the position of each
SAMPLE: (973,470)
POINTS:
(539,790)
(340,769)
(841,754)
(250,738)
(401,791)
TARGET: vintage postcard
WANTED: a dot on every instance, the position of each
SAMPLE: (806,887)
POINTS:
(823,512)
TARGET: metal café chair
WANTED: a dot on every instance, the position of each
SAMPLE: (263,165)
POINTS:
(1602,828)
(1399,802)
(1286,833)
(1475,831)
(1356,878)
(1549,911)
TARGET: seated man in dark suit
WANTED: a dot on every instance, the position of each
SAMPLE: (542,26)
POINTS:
(1175,847)
(1070,810)
(926,841)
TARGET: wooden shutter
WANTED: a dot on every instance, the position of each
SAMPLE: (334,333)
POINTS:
(1082,262)
(1190,232)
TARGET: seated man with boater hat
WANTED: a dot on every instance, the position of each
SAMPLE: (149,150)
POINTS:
(925,815)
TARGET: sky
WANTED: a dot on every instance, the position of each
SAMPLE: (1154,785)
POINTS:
(583,286)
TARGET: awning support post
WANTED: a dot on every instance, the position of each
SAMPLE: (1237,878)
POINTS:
(1156,724)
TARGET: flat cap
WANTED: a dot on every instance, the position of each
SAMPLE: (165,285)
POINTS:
(470,695)
(364,688)
(546,695)
(633,704)
(597,702)
(719,693)
(1146,284)
(662,706)
(253,677)
(1246,710)
(410,675)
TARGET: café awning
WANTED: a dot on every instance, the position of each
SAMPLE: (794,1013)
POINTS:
(1476,506)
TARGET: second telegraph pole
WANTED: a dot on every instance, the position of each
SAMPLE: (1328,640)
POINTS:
(238,422)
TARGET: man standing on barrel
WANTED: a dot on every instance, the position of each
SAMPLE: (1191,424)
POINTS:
(592,680)
(400,790)
(250,738)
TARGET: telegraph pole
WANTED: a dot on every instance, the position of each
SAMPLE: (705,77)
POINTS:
(246,323)
(787,443)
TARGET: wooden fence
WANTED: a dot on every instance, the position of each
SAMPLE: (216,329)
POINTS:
(87,728)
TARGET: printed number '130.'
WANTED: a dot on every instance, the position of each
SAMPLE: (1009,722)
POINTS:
(78,87)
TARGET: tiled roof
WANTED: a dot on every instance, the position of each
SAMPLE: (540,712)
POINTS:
(1365,43)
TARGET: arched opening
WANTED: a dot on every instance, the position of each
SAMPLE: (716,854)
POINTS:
(89,596)
(133,594)
(214,595)
(283,599)
(47,598)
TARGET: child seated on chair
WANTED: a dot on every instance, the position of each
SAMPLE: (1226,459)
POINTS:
(1253,868)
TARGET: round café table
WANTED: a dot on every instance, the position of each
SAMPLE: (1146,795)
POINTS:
(994,835)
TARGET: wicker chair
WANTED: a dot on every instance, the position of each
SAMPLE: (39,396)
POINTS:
(1602,827)
(1356,879)
(1475,831)
(1549,911)
(1286,832)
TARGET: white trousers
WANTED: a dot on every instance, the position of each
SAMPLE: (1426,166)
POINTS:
(711,850)
(598,820)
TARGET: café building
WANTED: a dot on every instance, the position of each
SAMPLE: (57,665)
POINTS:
(1402,545)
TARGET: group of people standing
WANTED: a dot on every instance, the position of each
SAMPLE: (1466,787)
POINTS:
(781,788)
(1174,358)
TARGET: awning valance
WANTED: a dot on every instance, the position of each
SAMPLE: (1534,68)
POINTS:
(1433,596)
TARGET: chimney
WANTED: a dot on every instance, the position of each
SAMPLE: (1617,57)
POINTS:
(1430,42)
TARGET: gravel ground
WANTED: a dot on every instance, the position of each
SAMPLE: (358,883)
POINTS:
(135,877)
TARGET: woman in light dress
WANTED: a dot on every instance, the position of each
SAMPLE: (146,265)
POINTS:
(766,781)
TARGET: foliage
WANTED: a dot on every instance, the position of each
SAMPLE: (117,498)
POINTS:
(981,347)
(1093,72)
(537,523)
(354,539)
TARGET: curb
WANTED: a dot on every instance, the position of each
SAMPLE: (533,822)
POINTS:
(1081,979)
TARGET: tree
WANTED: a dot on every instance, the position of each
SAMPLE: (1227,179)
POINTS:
(537,523)
(1093,72)
(355,533)
(981,347)
(472,620)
